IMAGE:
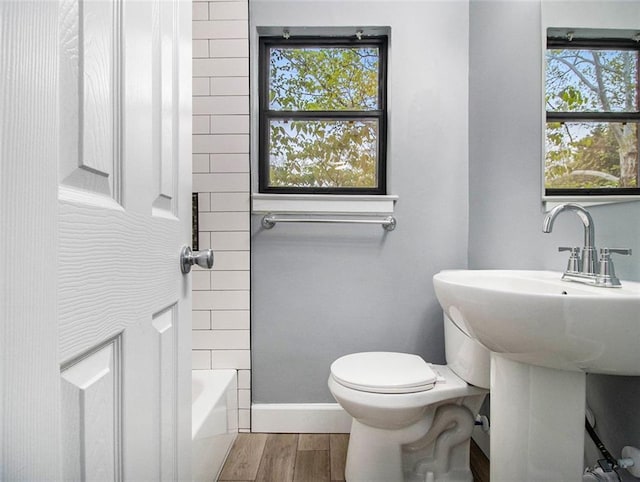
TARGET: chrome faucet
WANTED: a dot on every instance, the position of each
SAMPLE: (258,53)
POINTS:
(583,266)
(588,259)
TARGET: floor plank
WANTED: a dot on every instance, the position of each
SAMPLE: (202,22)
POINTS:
(244,459)
(338,443)
(278,458)
(312,466)
(313,441)
(304,458)
(479,464)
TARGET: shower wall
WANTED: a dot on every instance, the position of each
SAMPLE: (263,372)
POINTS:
(221,179)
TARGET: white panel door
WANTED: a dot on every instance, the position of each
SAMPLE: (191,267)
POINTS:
(110,342)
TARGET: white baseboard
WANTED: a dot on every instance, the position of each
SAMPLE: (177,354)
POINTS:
(299,418)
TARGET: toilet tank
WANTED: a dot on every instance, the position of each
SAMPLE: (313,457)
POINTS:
(465,356)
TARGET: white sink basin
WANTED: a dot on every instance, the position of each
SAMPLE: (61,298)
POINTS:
(535,318)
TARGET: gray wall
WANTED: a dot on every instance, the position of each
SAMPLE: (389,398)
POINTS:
(319,292)
(505,214)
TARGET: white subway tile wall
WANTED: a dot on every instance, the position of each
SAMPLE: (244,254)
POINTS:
(221,336)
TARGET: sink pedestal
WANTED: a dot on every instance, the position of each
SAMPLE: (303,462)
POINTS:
(531,320)
(537,422)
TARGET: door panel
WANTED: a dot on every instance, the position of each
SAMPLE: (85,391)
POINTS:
(90,95)
(164,99)
(123,216)
(91,415)
(121,227)
(95,149)
(164,324)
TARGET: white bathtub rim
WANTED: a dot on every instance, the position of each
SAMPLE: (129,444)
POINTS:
(216,383)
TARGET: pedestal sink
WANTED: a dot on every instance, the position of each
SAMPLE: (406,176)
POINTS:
(545,335)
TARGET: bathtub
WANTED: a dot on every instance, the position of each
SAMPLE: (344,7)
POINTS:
(214,421)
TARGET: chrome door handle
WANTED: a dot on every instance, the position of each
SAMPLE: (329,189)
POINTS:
(188,258)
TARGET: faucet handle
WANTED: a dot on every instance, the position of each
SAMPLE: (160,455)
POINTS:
(575,263)
(607,251)
(607,275)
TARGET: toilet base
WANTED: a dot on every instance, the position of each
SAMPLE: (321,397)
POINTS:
(442,455)
(434,449)
(375,455)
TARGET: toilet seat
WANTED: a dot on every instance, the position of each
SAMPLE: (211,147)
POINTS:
(384,372)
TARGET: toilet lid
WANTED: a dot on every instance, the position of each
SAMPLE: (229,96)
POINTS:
(383,372)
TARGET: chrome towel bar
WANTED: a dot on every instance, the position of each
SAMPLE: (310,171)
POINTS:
(269,220)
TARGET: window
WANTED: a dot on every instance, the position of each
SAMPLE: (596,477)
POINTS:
(323,115)
(592,118)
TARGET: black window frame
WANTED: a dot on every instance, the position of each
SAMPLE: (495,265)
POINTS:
(266,115)
(621,117)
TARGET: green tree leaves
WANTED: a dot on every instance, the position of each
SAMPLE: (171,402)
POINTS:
(324,79)
(319,153)
(591,153)
(331,142)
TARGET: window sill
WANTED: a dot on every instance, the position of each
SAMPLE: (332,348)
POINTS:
(549,202)
(322,204)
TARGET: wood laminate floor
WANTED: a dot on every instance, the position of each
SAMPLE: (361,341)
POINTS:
(260,457)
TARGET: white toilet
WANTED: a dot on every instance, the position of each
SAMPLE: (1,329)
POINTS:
(412,420)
